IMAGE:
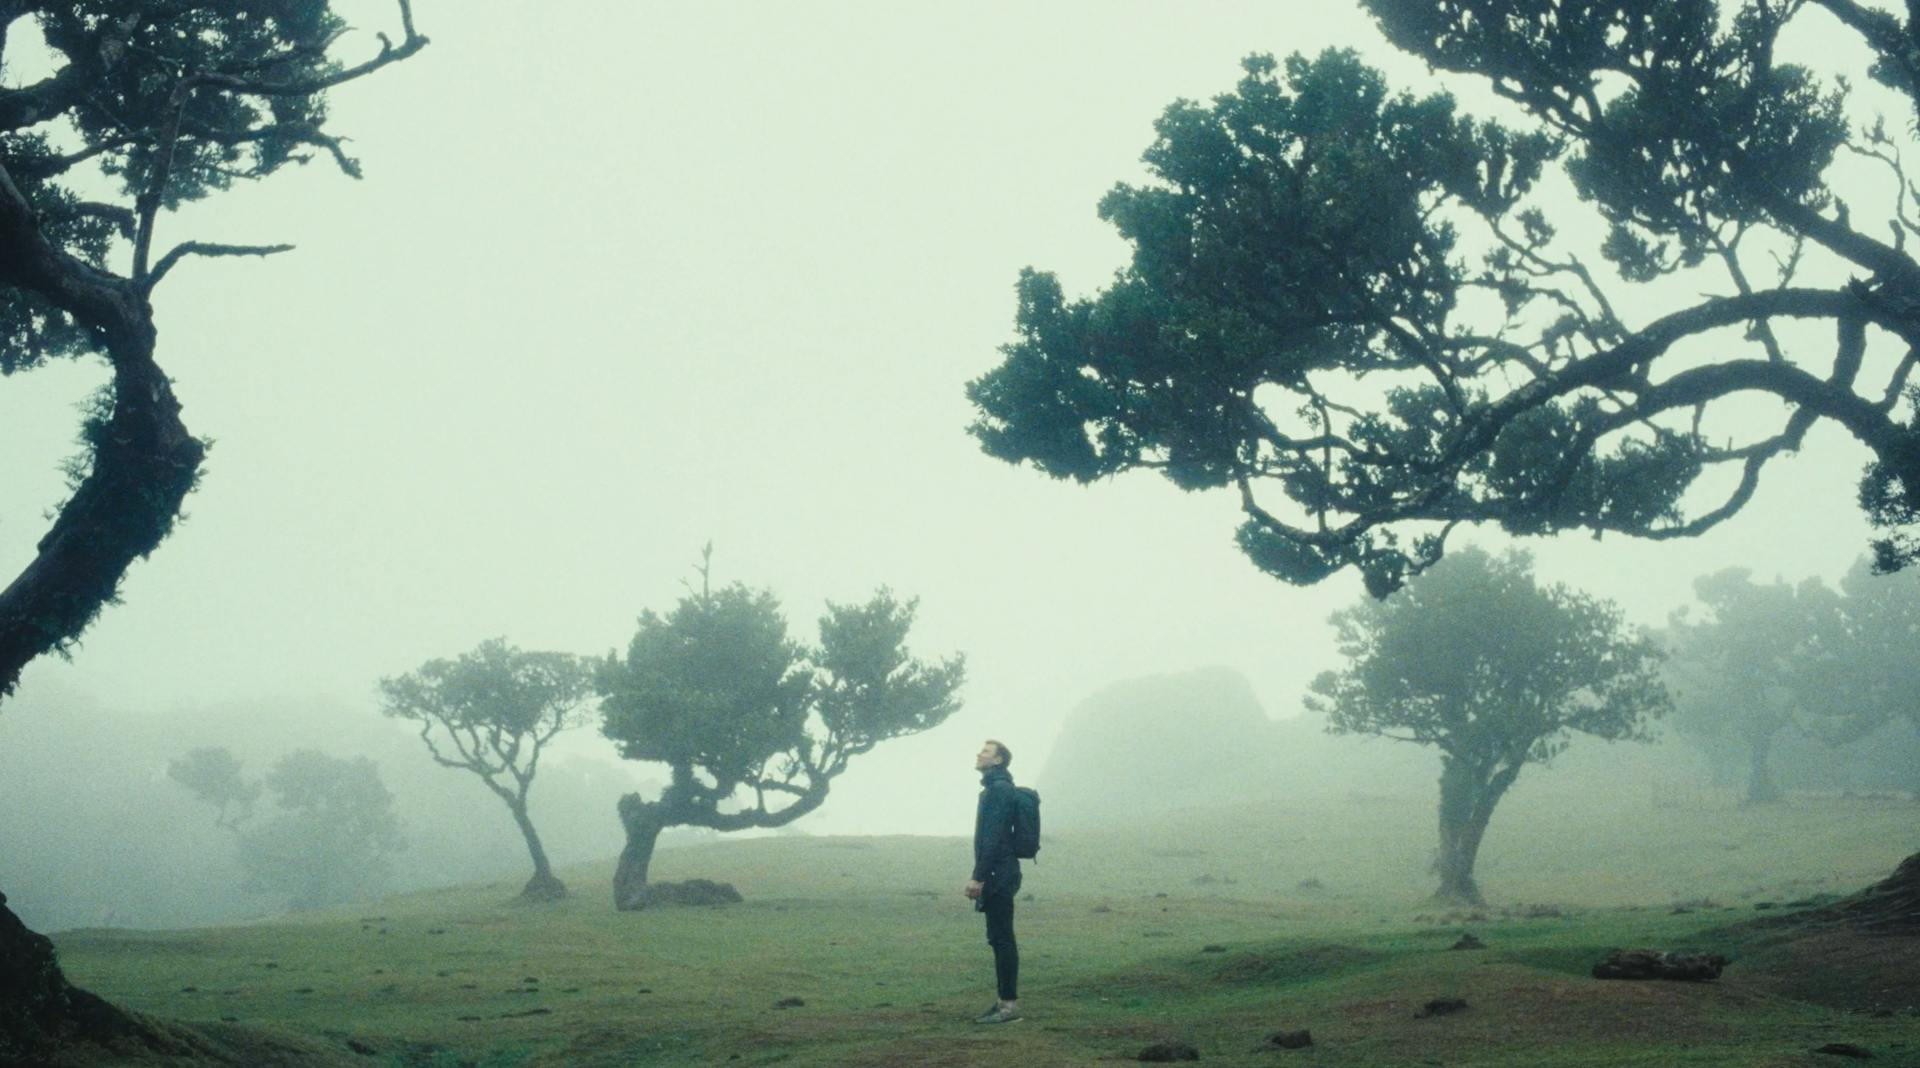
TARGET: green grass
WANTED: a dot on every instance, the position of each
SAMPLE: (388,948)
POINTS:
(890,961)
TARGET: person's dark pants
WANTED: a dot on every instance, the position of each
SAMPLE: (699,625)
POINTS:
(1006,954)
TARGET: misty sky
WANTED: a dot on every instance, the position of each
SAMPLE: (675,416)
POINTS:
(626,277)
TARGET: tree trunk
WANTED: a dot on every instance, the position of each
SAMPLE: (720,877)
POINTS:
(543,886)
(643,823)
(39,1009)
(1761,788)
(1467,798)
(1460,833)
(141,467)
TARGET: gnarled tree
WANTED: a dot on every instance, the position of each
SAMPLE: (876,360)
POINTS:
(752,725)
(1497,672)
(145,106)
(492,712)
(1356,308)
(1352,307)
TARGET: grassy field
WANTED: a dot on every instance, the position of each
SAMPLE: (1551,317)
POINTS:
(1213,928)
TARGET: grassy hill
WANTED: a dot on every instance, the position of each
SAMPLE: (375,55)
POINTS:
(1192,925)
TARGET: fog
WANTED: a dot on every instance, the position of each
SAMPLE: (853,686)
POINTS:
(624,279)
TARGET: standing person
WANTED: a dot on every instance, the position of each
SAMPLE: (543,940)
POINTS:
(996,876)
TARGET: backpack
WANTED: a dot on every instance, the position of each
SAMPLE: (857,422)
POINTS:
(1026,822)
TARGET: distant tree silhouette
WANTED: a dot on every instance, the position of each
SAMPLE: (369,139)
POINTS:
(752,725)
(213,775)
(148,106)
(492,712)
(331,836)
(1758,663)
(1877,656)
(1494,670)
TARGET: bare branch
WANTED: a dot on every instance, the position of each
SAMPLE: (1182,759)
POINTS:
(1896,384)
(203,248)
(410,43)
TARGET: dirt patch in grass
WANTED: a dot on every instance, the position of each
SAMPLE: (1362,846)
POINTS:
(1293,965)
(169,1042)
(1835,967)
(1513,1008)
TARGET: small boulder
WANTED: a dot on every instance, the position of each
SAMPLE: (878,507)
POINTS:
(790,1003)
(1167,1052)
(1656,964)
(1468,941)
(691,892)
(1290,1039)
(1846,1049)
(1213,947)
(1441,1007)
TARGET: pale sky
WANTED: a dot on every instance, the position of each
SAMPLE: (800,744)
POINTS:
(626,277)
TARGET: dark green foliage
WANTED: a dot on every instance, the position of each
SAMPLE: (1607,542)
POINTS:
(495,701)
(717,688)
(170,103)
(1479,660)
(716,683)
(492,712)
(174,103)
(1351,307)
(152,106)
(1496,671)
(737,710)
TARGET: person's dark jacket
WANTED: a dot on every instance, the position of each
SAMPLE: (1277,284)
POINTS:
(994,865)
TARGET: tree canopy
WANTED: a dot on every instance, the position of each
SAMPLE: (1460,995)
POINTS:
(147,107)
(213,775)
(1355,308)
(752,724)
(492,712)
(1878,653)
(330,836)
(1759,661)
(1495,671)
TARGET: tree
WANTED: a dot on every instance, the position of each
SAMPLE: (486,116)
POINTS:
(1496,671)
(492,712)
(163,104)
(739,712)
(1354,307)
(332,837)
(213,775)
(1877,656)
(1758,664)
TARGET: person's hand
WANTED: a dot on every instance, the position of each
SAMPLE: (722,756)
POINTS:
(973,888)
